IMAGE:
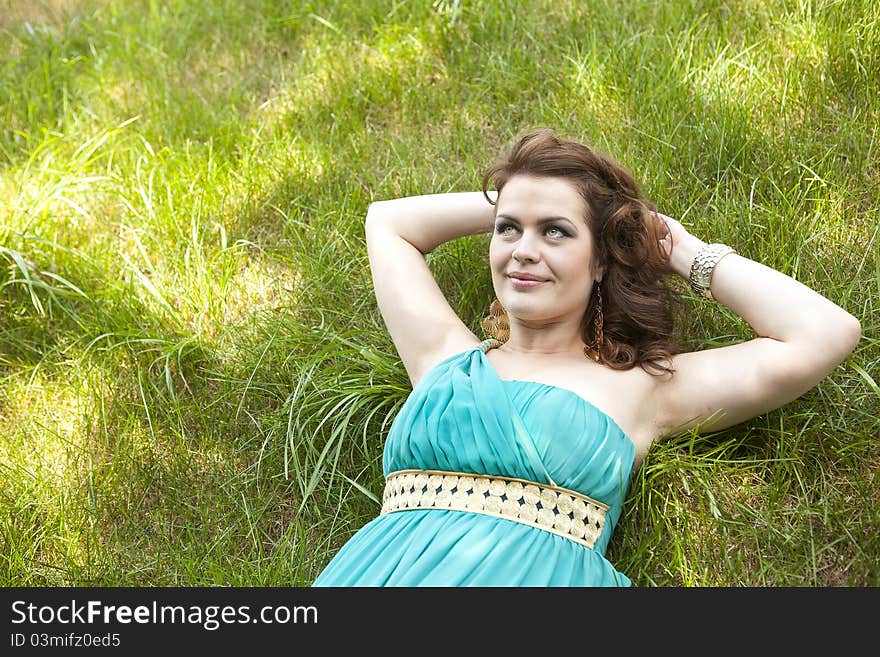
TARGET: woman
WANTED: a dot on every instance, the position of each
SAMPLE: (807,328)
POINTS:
(509,462)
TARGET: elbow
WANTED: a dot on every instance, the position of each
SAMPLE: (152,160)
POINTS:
(850,337)
(855,333)
(373,210)
(377,214)
(839,339)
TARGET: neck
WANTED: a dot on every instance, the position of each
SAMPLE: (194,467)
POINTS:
(547,340)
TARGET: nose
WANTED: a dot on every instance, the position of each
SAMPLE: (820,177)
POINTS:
(526,249)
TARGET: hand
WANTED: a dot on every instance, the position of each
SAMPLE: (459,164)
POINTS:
(674,235)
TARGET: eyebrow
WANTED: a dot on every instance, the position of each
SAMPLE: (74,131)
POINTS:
(541,222)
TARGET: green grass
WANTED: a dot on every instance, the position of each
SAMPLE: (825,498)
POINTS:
(196,382)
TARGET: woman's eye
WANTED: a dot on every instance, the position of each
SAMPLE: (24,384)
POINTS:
(504,229)
(556,231)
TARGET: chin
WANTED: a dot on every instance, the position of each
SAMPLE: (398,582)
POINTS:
(524,311)
(538,310)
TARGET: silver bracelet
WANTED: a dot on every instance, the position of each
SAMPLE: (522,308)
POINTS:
(703,266)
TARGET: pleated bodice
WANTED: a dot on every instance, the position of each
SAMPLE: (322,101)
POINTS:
(463,417)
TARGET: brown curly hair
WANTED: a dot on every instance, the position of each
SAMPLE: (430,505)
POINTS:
(638,305)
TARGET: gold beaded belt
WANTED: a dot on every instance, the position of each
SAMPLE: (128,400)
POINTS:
(557,510)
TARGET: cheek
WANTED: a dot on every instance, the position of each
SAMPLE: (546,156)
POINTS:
(577,271)
(497,255)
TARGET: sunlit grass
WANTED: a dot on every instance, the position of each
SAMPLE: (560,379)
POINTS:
(196,383)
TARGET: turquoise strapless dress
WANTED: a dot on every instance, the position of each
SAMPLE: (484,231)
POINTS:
(463,417)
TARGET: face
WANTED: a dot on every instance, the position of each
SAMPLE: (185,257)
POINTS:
(541,232)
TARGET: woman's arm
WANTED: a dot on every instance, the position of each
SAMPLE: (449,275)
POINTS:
(432,219)
(424,328)
(774,305)
(803,336)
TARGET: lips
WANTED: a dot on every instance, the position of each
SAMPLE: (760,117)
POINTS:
(524,281)
(526,277)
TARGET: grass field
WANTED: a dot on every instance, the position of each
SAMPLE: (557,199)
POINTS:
(195,382)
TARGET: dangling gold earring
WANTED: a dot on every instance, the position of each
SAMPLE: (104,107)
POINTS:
(593,351)
(496,325)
